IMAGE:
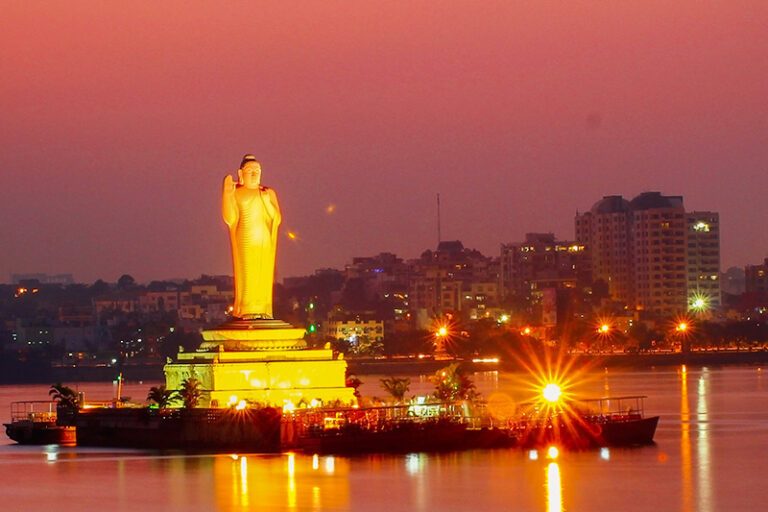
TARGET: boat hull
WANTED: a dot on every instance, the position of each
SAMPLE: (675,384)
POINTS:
(406,438)
(25,432)
(205,430)
(586,433)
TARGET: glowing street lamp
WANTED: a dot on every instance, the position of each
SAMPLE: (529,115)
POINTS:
(552,392)
(699,303)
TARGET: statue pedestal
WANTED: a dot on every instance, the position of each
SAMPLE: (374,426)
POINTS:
(264,362)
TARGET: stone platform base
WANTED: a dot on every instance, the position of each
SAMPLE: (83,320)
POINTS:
(247,335)
(263,362)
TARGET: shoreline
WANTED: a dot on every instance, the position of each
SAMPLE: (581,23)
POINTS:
(151,371)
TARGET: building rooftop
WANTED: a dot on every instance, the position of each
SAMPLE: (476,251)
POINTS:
(652,200)
(610,204)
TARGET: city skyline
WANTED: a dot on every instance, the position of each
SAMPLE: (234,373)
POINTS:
(122,122)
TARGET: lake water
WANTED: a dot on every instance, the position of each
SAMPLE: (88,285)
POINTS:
(709,456)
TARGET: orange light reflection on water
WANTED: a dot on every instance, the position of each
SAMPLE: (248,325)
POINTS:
(284,482)
(685,442)
(554,488)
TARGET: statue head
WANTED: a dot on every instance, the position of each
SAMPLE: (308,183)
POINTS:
(249,173)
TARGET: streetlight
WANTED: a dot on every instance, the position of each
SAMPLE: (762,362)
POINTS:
(682,329)
(551,392)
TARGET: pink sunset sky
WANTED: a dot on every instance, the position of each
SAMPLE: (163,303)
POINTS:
(120,119)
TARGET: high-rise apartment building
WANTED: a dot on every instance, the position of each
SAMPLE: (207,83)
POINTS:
(648,251)
(658,253)
(703,263)
(605,231)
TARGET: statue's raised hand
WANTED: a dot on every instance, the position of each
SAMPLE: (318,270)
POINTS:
(229,183)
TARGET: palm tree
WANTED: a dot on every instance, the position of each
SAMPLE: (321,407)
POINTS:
(452,383)
(353,382)
(190,393)
(160,395)
(396,386)
(65,397)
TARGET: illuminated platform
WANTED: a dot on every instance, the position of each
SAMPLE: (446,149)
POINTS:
(263,362)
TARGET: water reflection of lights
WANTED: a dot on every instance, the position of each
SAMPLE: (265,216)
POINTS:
(414,463)
(287,481)
(553,452)
(554,488)
(244,481)
(291,465)
(533,455)
(685,440)
(51,452)
(702,445)
(605,453)
(291,481)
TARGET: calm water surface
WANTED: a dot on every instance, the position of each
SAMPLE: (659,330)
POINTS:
(709,456)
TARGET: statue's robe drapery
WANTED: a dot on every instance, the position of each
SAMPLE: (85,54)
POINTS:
(254,244)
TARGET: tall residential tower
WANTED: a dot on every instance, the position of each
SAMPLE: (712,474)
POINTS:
(652,254)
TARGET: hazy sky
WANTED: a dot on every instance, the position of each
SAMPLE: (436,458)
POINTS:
(119,120)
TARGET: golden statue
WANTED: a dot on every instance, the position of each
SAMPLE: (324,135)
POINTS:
(253,215)
(257,358)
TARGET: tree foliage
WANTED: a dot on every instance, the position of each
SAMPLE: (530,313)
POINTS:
(452,383)
(190,393)
(396,386)
(160,395)
(65,397)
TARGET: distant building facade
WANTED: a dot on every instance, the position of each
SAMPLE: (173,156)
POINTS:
(658,253)
(652,254)
(63,279)
(756,278)
(541,262)
(605,231)
(703,260)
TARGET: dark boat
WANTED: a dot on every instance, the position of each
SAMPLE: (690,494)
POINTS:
(195,430)
(35,422)
(608,421)
(392,429)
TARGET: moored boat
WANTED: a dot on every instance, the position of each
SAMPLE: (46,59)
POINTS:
(582,424)
(35,422)
(393,429)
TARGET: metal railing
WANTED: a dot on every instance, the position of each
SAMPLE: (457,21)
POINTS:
(35,411)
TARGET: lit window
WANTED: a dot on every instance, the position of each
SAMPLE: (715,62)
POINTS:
(701,226)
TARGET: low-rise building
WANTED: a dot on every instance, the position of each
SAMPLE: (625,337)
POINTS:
(756,278)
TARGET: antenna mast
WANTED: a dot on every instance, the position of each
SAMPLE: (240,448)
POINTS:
(439,238)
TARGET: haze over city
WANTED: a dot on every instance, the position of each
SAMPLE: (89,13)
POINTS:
(121,120)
